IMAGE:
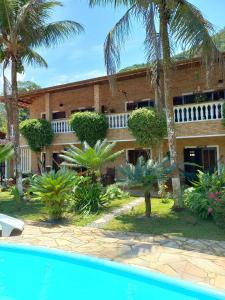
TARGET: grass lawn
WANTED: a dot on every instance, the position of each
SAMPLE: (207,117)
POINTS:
(35,210)
(166,221)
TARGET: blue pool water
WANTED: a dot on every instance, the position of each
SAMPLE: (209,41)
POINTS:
(35,274)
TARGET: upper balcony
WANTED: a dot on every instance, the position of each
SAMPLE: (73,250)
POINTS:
(208,115)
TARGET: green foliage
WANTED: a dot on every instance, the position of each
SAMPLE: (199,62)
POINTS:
(200,197)
(218,209)
(144,173)
(27,86)
(3,123)
(87,195)
(6,152)
(15,193)
(147,126)
(89,126)
(53,189)
(114,192)
(90,158)
(38,133)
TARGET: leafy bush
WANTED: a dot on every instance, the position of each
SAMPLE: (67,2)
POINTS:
(38,133)
(114,192)
(89,126)
(87,195)
(218,208)
(147,126)
(202,195)
(53,189)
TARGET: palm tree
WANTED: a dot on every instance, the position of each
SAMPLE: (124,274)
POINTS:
(24,26)
(144,174)
(90,158)
(167,23)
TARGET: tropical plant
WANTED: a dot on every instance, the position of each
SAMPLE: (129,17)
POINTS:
(206,188)
(144,175)
(218,209)
(23,27)
(87,197)
(6,152)
(90,158)
(167,24)
(148,126)
(114,192)
(53,189)
(89,126)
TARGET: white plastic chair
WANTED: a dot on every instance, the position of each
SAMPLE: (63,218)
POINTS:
(9,223)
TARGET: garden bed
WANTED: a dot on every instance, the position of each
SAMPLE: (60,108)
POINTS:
(34,210)
(165,221)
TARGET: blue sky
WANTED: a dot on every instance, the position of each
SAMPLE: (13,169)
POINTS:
(81,57)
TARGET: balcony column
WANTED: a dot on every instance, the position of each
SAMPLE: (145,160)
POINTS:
(97,97)
(48,112)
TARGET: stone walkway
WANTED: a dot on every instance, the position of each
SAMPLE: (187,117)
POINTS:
(101,222)
(202,262)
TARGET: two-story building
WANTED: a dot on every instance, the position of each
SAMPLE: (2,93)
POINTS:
(198,114)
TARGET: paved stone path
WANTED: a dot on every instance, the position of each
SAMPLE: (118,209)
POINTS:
(202,262)
(101,222)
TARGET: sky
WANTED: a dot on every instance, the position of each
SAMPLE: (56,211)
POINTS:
(81,57)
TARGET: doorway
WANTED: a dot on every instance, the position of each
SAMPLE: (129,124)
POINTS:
(199,158)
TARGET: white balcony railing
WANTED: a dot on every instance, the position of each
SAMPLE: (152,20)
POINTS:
(198,112)
(118,121)
(61,126)
(182,114)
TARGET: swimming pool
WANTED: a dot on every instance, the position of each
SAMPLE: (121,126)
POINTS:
(37,274)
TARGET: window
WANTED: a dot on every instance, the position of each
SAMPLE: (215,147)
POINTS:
(58,115)
(43,116)
(56,161)
(199,97)
(82,109)
(139,104)
(134,154)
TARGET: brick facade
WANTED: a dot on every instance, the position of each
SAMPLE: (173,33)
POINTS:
(188,77)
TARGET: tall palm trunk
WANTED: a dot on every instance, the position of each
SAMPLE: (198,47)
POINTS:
(17,151)
(148,205)
(169,103)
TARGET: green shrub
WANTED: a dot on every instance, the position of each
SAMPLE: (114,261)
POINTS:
(114,192)
(87,195)
(218,208)
(53,189)
(147,126)
(200,198)
(38,133)
(89,126)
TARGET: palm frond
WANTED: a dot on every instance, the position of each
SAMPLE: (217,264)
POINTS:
(115,41)
(31,57)
(192,31)
(57,32)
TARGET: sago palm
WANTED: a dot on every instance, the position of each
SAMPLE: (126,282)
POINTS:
(24,26)
(167,24)
(91,158)
(144,174)
(53,189)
